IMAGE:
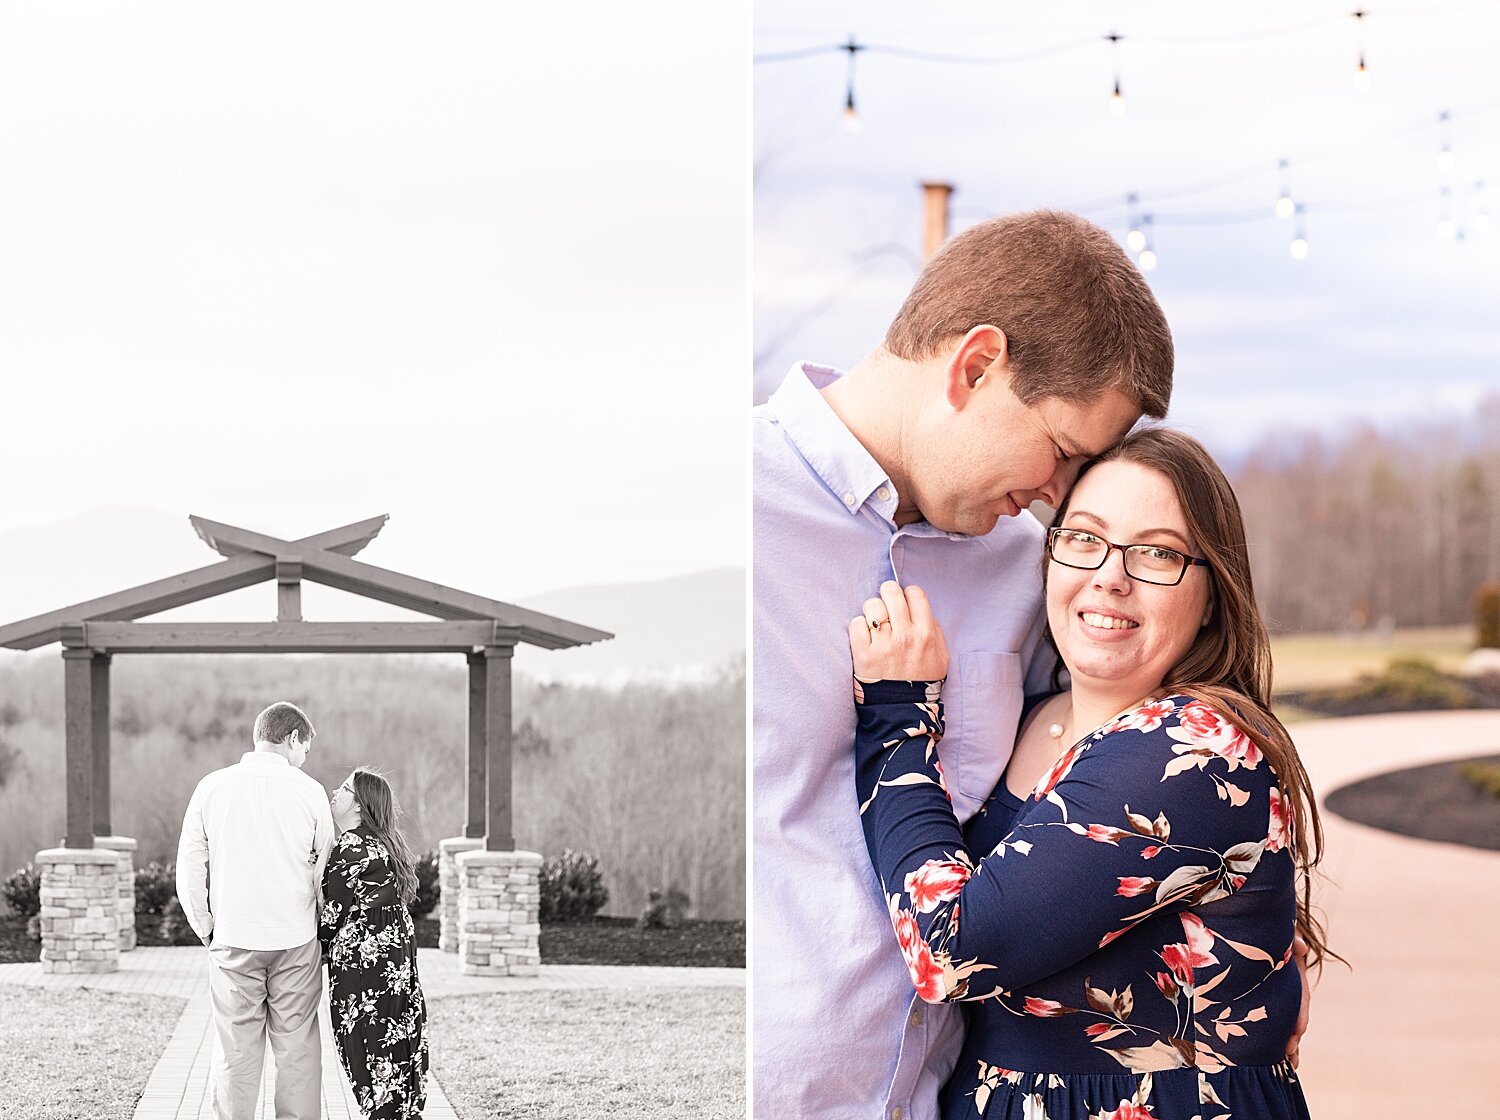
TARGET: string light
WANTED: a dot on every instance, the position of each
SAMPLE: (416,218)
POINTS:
(1362,72)
(851,118)
(1147,259)
(1135,240)
(1285,207)
(1445,160)
(1299,242)
(1446,230)
(1116,99)
(1481,222)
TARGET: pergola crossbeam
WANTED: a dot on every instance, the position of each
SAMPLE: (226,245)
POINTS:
(294,637)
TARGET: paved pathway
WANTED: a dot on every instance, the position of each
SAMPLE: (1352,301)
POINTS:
(1413,1030)
(178,1087)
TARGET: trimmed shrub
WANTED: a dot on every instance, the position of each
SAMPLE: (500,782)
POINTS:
(1483,776)
(572,887)
(664,909)
(1487,615)
(174,927)
(429,893)
(155,886)
(23,891)
(1406,684)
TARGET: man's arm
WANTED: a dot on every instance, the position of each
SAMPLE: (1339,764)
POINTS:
(322,844)
(192,870)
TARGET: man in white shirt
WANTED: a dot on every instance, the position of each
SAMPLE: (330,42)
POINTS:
(249,871)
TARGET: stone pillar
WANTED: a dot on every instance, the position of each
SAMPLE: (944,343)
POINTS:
(500,896)
(448,884)
(80,909)
(124,848)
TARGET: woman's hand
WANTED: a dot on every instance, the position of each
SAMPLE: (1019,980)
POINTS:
(897,639)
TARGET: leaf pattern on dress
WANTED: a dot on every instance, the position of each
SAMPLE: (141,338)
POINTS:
(375,996)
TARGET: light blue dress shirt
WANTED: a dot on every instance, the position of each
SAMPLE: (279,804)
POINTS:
(837,1029)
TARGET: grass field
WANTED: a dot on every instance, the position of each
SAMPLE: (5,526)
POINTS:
(597,1054)
(71,1053)
(1306,661)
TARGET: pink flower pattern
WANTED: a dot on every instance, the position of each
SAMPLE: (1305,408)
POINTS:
(1139,994)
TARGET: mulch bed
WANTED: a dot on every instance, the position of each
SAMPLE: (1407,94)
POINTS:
(1433,802)
(694,944)
(1478,693)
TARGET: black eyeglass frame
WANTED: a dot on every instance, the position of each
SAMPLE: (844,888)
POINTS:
(1110,546)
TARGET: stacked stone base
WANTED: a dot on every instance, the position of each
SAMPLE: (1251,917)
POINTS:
(124,847)
(500,896)
(80,915)
(449,884)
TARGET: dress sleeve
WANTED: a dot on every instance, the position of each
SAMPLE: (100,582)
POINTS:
(1166,807)
(338,888)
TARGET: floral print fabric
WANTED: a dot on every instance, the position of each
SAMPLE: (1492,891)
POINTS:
(374,996)
(1121,939)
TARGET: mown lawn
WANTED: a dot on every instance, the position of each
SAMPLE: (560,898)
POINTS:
(79,1055)
(678,1053)
(1308,661)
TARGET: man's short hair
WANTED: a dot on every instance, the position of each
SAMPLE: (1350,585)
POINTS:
(1079,317)
(276,723)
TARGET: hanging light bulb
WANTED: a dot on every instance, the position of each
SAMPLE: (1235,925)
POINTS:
(1446,230)
(1361,72)
(1445,160)
(1116,99)
(1299,240)
(1147,259)
(1285,207)
(1135,239)
(851,118)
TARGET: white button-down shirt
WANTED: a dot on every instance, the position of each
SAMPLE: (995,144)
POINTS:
(255,839)
(838,1031)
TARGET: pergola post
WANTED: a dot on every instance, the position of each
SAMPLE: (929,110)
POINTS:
(498,832)
(99,719)
(478,744)
(78,739)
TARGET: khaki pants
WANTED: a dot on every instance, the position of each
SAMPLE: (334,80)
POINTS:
(261,993)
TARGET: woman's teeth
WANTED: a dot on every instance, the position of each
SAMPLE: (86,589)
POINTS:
(1108,622)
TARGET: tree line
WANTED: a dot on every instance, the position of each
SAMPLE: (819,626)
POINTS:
(1377,528)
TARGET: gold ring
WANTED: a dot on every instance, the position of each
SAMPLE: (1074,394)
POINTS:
(878,623)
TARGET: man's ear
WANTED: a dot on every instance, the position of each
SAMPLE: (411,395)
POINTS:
(983,352)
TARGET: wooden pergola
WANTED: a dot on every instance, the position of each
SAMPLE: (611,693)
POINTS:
(484,630)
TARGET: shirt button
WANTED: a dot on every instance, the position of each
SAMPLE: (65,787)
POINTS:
(849,500)
(896,1113)
(916,1017)
(883,493)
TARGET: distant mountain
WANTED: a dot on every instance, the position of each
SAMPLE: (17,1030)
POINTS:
(689,622)
(684,625)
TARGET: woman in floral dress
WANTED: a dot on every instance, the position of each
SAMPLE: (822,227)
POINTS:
(369,942)
(1119,918)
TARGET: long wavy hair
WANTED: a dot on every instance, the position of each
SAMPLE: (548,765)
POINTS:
(1229,665)
(379,813)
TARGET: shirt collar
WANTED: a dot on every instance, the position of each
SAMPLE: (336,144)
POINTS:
(255,758)
(848,470)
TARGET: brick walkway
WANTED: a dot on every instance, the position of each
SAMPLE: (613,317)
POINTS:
(178,1087)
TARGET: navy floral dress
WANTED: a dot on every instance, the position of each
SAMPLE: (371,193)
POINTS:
(379,1016)
(1121,939)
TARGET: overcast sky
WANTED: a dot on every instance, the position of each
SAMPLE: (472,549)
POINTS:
(1383,320)
(478,266)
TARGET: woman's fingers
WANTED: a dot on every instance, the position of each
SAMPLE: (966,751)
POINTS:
(859,633)
(876,613)
(895,604)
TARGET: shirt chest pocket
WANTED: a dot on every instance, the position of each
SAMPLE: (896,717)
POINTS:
(982,709)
